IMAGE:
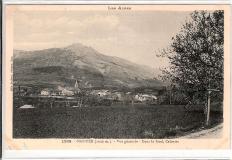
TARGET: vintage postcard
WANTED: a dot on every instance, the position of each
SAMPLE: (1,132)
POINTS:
(116,77)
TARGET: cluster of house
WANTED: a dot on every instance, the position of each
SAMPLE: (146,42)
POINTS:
(107,94)
(103,93)
(60,91)
(120,96)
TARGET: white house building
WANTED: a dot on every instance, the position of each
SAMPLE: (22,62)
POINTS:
(45,92)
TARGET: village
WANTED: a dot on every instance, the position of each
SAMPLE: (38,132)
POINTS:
(29,97)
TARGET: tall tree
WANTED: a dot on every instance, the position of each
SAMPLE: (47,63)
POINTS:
(196,53)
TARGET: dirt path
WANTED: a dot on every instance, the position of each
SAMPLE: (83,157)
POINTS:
(214,132)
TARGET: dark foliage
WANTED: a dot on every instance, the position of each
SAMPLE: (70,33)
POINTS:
(196,54)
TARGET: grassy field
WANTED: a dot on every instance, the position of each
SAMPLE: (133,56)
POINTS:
(158,121)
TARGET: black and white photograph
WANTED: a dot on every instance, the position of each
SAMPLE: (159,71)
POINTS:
(118,73)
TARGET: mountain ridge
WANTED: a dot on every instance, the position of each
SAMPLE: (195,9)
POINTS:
(79,44)
(80,62)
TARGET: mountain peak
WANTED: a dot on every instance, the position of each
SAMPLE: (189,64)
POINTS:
(76,46)
(79,48)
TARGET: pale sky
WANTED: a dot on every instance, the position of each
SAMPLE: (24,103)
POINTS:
(135,35)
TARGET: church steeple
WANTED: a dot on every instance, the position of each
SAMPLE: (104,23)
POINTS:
(76,84)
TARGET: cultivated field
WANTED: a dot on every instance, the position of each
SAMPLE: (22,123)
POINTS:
(116,121)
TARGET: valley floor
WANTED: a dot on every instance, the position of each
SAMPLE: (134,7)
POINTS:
(116,121)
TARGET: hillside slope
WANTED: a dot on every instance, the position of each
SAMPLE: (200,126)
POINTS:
(61,66)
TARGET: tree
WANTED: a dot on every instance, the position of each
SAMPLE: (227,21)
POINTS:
(196,53)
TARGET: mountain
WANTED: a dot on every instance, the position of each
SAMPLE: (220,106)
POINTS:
(62,66)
